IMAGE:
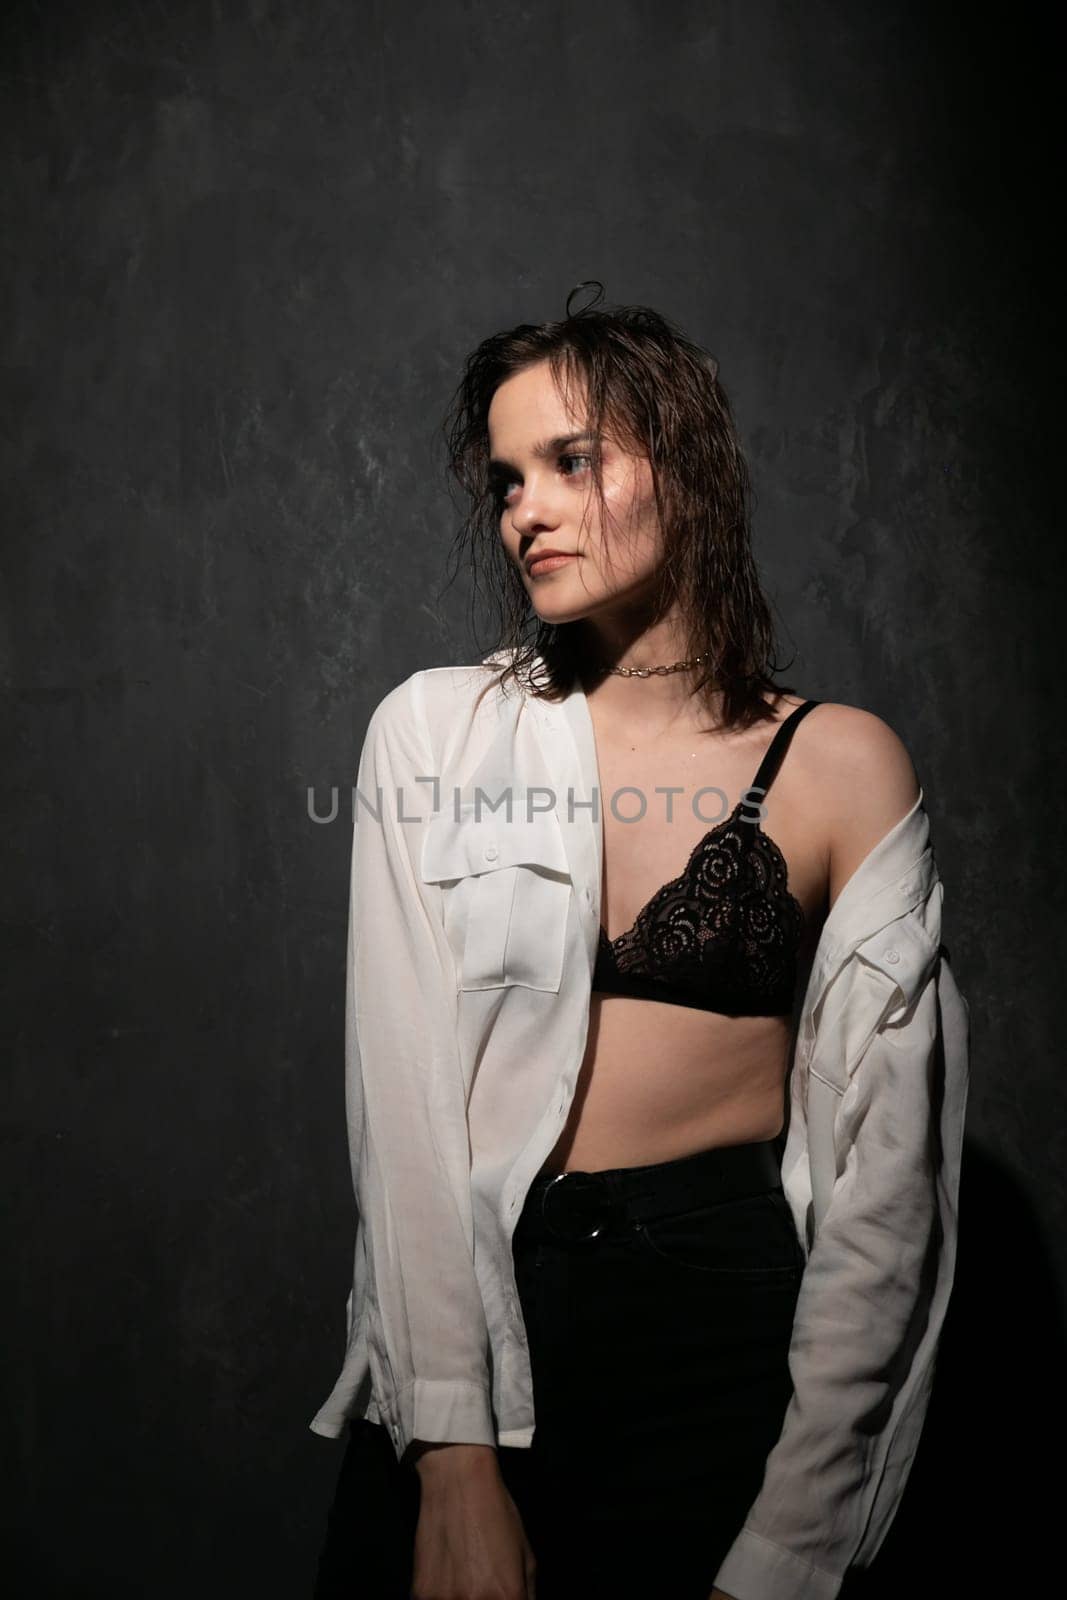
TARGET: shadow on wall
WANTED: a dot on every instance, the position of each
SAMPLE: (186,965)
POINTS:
(981,1511)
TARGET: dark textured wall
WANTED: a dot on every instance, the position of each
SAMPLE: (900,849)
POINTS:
(245,249)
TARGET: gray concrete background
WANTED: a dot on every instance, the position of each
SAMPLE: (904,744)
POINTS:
(245,250)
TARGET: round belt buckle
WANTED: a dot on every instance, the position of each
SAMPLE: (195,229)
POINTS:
(578,1209)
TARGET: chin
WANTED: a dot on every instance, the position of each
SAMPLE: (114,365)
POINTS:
(561,603)
(558,614)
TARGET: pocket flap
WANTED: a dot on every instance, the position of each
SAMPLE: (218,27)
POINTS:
(457,848)
(903,952)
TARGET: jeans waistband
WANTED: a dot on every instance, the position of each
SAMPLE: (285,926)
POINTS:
(575,1206)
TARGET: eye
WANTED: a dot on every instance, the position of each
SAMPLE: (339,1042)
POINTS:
(501,485)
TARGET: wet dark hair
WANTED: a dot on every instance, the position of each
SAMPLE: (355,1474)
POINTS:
(658,392)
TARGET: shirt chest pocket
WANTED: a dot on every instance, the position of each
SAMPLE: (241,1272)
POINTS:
(506,893)
(875,988)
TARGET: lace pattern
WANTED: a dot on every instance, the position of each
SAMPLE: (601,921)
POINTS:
(723,935)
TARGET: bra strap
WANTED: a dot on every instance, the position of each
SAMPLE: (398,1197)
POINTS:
(768,767)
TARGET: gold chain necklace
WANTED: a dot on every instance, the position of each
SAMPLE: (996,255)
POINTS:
(646,672)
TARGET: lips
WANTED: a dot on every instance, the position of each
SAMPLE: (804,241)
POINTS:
(545,560)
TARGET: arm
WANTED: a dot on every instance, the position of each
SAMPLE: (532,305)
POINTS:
(868,1320)
(879,1273)
(428,1340)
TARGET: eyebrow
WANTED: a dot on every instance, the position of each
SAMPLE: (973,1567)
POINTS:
(547,447)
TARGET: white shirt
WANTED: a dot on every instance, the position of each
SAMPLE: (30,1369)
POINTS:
(472,941)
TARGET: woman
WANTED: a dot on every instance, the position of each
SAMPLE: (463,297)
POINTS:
(606,1335)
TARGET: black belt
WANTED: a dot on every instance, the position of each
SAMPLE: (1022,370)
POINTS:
(575,1206)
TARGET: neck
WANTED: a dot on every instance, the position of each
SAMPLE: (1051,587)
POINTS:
(643,705)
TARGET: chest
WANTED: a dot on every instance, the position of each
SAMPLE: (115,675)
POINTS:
(671,810)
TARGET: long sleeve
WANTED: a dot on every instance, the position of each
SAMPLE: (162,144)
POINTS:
(427,1338)
(872,1301)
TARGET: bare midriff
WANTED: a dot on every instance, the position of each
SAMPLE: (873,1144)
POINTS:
(660,1081)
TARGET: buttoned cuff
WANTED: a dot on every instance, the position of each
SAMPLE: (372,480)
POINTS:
(756,1569)
(441,1410)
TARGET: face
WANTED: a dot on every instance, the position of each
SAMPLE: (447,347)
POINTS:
(542,476)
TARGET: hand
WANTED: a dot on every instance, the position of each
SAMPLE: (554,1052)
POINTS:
(720,1594)
(469,1539)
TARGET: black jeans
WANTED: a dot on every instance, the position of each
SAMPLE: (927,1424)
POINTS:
(658,1351)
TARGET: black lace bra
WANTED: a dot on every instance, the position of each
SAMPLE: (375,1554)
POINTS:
(724,935)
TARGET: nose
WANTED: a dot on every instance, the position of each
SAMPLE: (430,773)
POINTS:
(533,510)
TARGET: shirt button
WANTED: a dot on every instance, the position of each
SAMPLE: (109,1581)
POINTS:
(491,852)
(892,956)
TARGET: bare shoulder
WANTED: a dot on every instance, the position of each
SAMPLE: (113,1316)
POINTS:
(865,760)
(864,782)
